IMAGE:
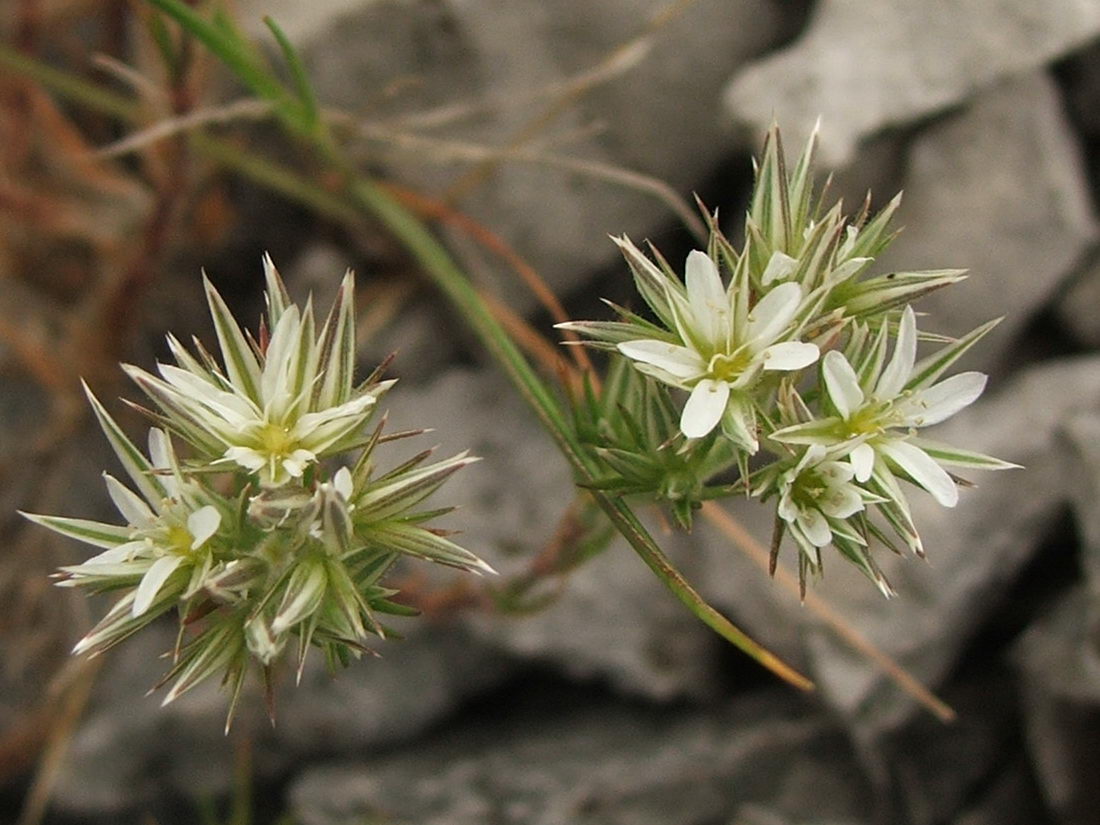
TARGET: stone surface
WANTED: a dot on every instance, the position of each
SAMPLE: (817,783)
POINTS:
(866,67)
(998,189)
(406,320)
(1075,307)
(484,72)
(1009,800)
(614,621)
(510,500)
(129,751)
(1058,657)
(1061,688)
(611,619)
(603,764)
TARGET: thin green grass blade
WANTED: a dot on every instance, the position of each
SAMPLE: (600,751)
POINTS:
(234,52)
(310,112)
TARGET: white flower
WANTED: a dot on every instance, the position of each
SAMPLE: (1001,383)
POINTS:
(879,413)
(723,346)
(276,411)
(815,491)
(169,528)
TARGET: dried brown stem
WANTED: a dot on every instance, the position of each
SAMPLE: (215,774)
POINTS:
(759,554)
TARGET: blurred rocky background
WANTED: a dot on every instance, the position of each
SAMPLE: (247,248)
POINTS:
(551,124)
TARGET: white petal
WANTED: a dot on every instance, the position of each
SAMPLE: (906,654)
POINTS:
(863,461)
(836,473)
(710,306)
(841,501)
(780,265)
(343,483)
(676,360)
(704,408)
(814,453)
(739,423)
(943,400)
(161,457)
(772,314)
(317,431)
(923,470)
(159,449)
(235,409)
(847,269)
(682,315)
(295,464)
(815,527)
(152,582)
(133,509)
(842,383)
(247,457)
(790,355)
(122,553)
(280,363)
(787,509)
(897,372)
(305,427)
(202,524)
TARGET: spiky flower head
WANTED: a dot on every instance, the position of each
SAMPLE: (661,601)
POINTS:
(257,541)
(273,407)
(779,351)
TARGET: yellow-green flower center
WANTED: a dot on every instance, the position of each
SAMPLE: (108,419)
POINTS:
(727,368)
(869,420)
(275,439)
(807,490)
(179,538)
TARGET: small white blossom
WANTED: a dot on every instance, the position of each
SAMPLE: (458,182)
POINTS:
(812,493)
(168,529)
(879,416)
(721,351)
(274,412)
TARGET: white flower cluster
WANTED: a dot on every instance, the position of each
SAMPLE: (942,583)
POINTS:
(253,537)
(790,359)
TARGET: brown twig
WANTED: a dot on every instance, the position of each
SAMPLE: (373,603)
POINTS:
(74,684)
(759,554)
(437,210)
(630,52)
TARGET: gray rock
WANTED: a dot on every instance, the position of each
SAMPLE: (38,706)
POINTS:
(611,618)
(1058,657)
(1010,800)
(129,751)
(937,770)
(479,72)
(615,621)
(866,67)
(393,319)
(1060,665)
(998,189)
(418,680)
(1076,304)
(1081,453)
(600,765)
(510,500)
